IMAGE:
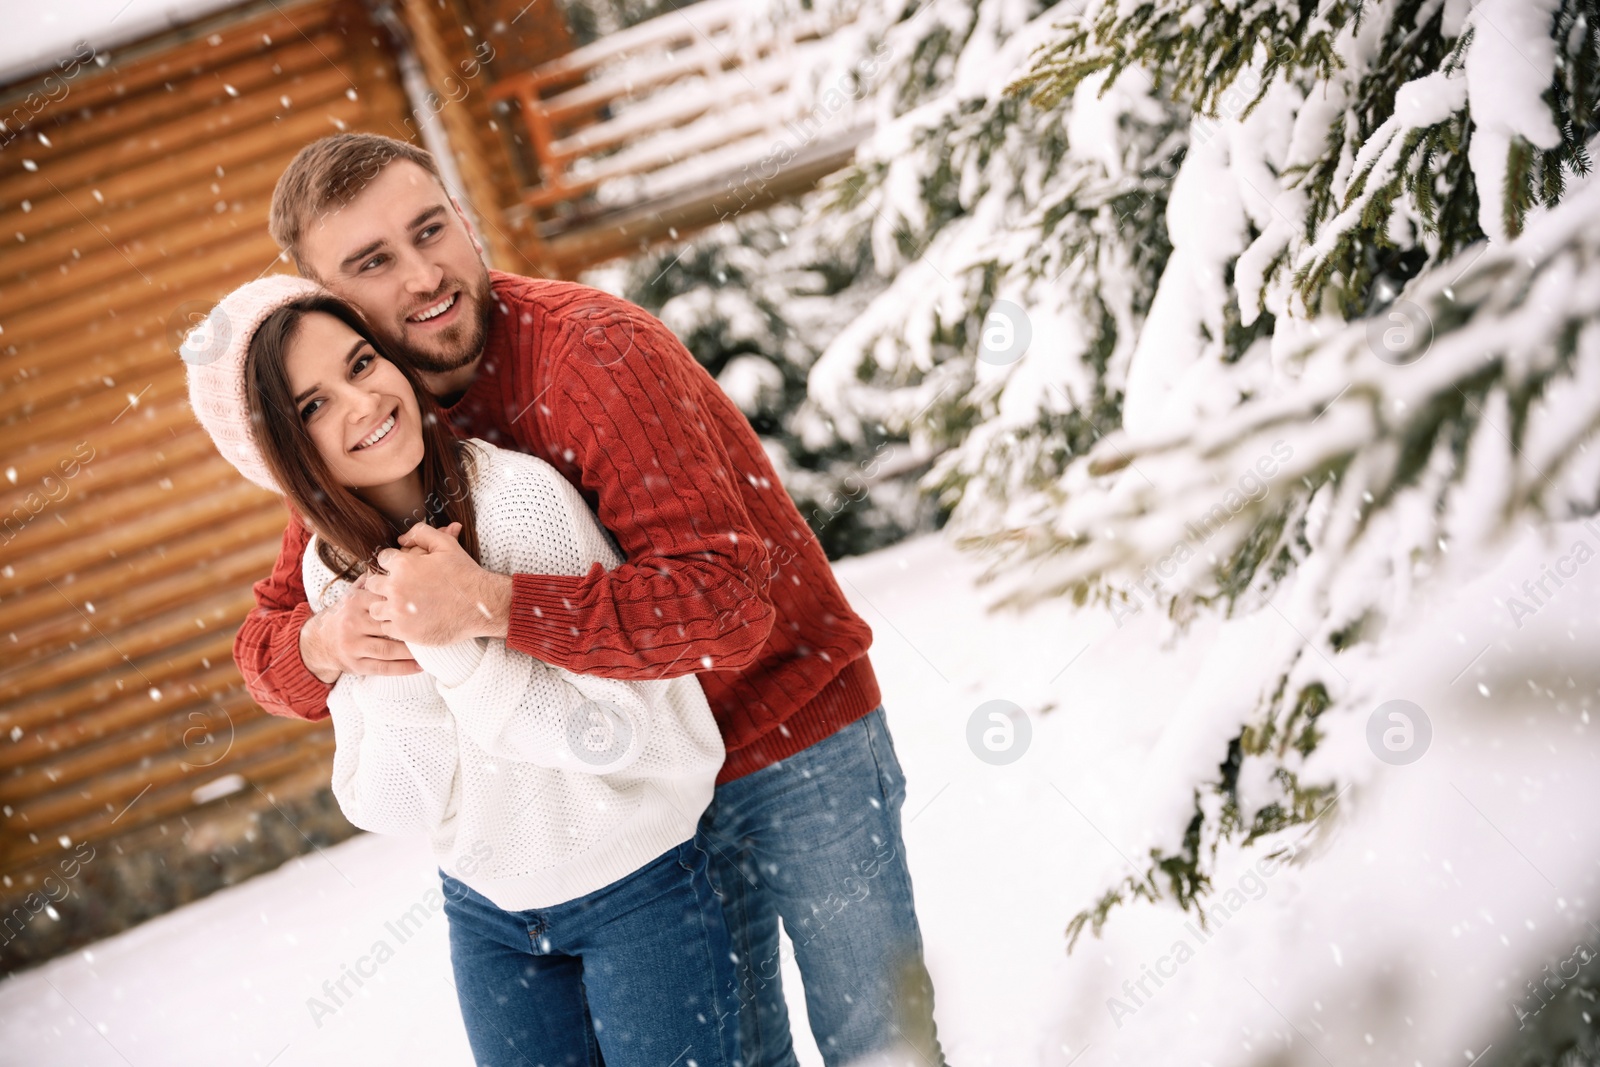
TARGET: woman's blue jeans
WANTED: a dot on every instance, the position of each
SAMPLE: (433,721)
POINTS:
(639,971)
(814,841)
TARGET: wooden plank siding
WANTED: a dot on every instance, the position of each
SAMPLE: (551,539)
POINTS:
(129,546)
(465,46)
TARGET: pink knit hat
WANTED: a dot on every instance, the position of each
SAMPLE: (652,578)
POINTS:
(214,351)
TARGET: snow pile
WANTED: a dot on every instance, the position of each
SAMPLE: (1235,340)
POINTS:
(1412,923)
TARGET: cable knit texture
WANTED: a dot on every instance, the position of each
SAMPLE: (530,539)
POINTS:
(535,784)
(723,578)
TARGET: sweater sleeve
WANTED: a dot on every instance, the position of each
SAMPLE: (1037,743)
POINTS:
(621,405)
(516,707)
(513,705)
(395,756)
(267,647)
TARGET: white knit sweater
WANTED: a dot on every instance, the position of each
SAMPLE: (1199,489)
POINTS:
(535,784)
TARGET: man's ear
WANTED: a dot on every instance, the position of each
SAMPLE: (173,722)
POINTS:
(471,230)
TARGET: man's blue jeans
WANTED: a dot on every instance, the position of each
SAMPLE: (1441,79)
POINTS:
(815,841)
(639,971)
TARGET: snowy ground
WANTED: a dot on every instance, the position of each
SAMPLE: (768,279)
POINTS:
(1445,886)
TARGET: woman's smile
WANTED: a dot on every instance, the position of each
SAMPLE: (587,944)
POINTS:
(378,436)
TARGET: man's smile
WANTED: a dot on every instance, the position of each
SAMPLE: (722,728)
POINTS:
(437,314)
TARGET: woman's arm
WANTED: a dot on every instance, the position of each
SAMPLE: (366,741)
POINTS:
(396,757)
(531,520)
(516,707)
(396,754)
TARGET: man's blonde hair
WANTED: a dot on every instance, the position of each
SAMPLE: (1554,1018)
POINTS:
(325,176)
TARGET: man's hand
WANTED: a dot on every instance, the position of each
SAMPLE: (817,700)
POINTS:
(435,594)
(346,639)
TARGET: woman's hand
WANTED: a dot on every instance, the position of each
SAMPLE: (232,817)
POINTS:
(436,594)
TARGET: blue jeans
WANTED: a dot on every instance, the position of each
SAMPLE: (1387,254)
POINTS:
(638,971)
(814,841)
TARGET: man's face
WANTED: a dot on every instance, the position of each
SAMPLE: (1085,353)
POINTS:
(402,255)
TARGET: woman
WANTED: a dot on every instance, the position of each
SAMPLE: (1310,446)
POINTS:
(561,808)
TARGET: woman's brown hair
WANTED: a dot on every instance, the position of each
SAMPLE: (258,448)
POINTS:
(353,532)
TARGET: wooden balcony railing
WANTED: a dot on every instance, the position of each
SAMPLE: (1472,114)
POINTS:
(661,127)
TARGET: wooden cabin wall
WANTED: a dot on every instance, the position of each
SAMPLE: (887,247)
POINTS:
(135,771)
(464,46)
(523,36)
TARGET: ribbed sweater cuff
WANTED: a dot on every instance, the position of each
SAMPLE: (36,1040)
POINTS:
(302,693)
(543,619)
(851,694)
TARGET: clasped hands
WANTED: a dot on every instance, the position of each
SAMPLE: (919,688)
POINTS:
(432,594)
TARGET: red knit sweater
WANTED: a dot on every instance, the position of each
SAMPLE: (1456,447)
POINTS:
(722,577)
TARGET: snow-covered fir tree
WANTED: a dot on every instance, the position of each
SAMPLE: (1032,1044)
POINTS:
(591,20)
(1206,308)
(870,297)
(1354,364)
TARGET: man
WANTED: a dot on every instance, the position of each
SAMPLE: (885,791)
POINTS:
(721,578)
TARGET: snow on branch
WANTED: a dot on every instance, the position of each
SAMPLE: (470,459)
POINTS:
(1493,360)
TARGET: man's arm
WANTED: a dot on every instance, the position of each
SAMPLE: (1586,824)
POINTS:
(291,657)
(267,648)
(691,594)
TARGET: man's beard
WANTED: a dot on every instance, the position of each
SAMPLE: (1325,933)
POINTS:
(456,346)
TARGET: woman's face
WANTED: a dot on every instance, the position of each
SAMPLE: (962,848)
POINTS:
(359,410)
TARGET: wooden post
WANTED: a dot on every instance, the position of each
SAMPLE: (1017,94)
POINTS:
(465,141)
